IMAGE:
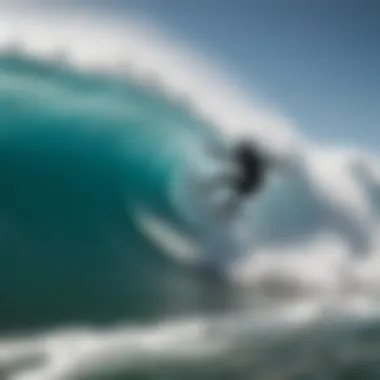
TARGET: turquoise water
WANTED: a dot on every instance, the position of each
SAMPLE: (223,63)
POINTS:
(91,295)
(77,152)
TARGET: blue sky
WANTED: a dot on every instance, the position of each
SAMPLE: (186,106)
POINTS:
(318,60)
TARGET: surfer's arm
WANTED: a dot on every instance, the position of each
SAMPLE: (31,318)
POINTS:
(225,177)
(218,182)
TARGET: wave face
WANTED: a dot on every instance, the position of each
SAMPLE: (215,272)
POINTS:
(104,152)
(78,153)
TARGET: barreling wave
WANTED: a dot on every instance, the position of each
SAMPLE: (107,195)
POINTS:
(108,136)
(97,155)
(79,154)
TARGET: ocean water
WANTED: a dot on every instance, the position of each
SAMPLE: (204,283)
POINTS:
(112,136)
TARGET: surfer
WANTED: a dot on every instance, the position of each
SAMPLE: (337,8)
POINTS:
(250,176)
(252,169)
(249,172)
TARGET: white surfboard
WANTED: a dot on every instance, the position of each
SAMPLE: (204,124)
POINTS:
(168,238)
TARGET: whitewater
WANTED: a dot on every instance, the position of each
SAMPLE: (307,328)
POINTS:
(110,133)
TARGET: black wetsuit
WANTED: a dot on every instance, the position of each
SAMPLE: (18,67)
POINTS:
(252,169)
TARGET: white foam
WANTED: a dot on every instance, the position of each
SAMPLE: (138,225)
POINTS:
(197,343)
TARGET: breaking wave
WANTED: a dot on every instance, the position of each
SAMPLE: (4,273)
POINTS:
(105,150)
